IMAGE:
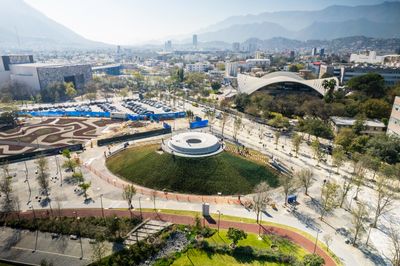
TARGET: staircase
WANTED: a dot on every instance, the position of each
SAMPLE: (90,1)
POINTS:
(144,230)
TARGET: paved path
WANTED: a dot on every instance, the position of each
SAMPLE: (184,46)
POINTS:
(181,219)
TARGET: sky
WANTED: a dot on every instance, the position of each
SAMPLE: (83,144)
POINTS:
(134,21)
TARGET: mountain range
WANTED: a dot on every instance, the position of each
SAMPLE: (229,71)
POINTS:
(22,26)
(379,21)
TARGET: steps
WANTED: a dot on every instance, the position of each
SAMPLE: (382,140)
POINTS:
(144,230)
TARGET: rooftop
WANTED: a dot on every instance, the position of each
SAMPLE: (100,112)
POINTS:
(348,121)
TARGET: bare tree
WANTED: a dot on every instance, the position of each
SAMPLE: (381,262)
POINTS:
(338,157)
(384,197)
(305,177)
(210,114)
(7,198)
(224,120)
(277,137)
(127,194)
(359,214)
(289,185)
(297,139)
(237,124)
(99,249)
(328,240)
(329,198)
(260,198)
(347,185)
(43,174)
(358,179)
(394,235)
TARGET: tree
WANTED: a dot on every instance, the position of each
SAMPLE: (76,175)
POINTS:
(77,177)
(210,114)
(338,157)
(384,196)
(215,85)
(9,118)
(289,185)
(70,164)
(344,138)
(328,240)
(277,135)
(358,179)
(329,87)
(99,250)
(394,235)
(128,194)
(260,198)
(329,198)
(70,89)
(359,214)
(242,100)
(305,176)
(7,204)
(43,174)
(85,186)
(376,108)
(296,142)
(237,124)
(384,147)
(313,260)
(371,84)
(318,154)
(279,121)
(224,120)
(236,235)
(347,185)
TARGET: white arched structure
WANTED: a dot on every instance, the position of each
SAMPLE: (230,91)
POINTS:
(249,84)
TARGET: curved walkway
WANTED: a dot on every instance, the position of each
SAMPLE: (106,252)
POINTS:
(297,238)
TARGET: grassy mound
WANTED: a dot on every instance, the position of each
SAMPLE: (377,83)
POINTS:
(226,173)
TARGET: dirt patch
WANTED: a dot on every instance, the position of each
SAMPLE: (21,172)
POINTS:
(105,122)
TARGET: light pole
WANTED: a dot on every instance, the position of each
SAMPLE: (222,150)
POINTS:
(316,241)
(140,209)
(27,181)
(79,232)
(219,219)
(101,203)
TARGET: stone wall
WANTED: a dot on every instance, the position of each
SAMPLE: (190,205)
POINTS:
(56,74)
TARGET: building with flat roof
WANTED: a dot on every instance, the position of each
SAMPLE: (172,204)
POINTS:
(394,121)
(371,127)
(21,68)
(391,75)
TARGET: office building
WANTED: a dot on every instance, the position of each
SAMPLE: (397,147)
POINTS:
(326,69)
(262,63)
(231,69)
(168,46)
(390,75)
(322,52)
(194,41)
(236,47)
(21,68)
(394,121)
(198,67)
(259,55)
(314,51)
(368,57)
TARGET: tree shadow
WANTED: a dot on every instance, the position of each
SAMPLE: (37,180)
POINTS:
(88,201)
(267,214)
(305,219)
(12,240)
(209,219)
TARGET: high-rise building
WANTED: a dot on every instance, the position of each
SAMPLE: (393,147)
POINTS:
(195,41)
(231,69)
(394,121)
(259,55)
(292,54)
(236,47)
(314,51)
(168,46)
(322,51)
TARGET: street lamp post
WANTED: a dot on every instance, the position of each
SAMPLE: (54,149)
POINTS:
(316,241)
(101,203)
(27,181)
(140,209)
(219,219)
(79,232)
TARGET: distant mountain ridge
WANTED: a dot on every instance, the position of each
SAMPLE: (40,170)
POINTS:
(20,24)
(380,21)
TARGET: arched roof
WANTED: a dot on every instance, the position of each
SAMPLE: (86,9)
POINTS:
(249,84)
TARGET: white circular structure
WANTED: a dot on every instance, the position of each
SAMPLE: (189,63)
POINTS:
(193,144)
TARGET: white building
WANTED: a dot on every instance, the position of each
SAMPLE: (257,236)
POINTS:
(198,67)
(371,127)
(263,63)
(368,57)
(231,69)
(394,121)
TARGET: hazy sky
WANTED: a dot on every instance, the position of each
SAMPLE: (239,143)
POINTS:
(133,21)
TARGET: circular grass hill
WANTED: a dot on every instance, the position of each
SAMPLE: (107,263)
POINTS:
(226,172)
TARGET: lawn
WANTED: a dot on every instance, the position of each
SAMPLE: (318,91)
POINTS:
(227,173)
(199,257)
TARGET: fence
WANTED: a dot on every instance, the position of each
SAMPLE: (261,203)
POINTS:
(158,117)
(136,136)
(36,154)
